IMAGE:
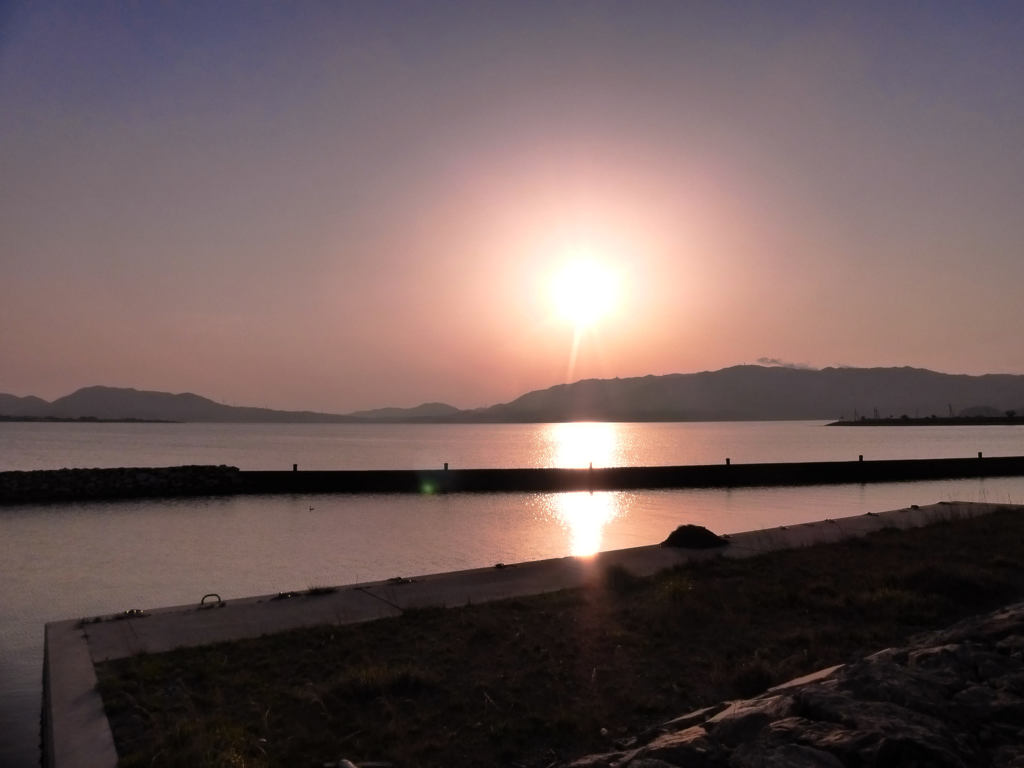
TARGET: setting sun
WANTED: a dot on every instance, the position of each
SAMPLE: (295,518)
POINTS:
(583,292)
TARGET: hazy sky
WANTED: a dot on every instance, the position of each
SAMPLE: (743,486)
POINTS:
(344,205)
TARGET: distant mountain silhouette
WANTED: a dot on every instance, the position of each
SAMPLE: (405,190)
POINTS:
(438,412)
(744,392)
(121,403)
(752,392)
(10,405)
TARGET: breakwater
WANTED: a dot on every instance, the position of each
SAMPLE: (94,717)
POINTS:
(626,478)
(85,484)
(55,485)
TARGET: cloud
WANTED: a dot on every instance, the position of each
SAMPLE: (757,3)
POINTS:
(774,361)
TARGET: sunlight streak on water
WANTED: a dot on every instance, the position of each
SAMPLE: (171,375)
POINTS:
(584,443)
(584,515)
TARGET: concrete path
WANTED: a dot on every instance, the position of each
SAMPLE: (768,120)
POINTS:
(76,732)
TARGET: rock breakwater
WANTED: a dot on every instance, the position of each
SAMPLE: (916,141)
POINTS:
(54,485)
(61,485)
(951,698)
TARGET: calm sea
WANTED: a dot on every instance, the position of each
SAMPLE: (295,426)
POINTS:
(64,561)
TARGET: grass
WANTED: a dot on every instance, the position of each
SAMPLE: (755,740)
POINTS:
(528,682)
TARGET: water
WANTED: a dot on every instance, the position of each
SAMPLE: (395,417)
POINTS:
(64,561)
(419,446)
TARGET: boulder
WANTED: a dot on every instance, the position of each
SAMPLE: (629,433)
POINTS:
(694,537)
(949,699)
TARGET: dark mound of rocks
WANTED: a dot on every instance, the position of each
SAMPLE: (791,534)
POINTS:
(694,537)
(950,699)
(117,483)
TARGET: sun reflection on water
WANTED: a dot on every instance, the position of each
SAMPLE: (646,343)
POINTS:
(584,514)
(584,443)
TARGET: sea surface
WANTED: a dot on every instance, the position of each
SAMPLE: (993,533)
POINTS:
(61,561)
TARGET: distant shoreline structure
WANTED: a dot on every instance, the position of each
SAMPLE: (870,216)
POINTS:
(931,421)
(84,419)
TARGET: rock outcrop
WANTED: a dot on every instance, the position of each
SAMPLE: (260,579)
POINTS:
(694,537)
(119,483)
(949,699)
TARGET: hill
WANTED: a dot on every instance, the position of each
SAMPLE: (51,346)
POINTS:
(753,392)
(120,403)
(743,392)
(11,405)
(429,412)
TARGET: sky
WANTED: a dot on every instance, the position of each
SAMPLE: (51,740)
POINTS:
(346,205)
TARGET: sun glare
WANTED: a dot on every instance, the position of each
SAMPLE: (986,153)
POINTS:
(584,443)
(583,292)
(584,516)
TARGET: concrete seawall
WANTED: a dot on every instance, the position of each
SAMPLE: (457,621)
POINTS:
(624,478)
(84,484)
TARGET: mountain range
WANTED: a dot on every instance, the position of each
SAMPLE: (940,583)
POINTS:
(743,392)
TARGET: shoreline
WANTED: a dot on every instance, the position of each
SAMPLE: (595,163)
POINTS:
(931,421)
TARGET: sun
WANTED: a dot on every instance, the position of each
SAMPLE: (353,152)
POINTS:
(584,291)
